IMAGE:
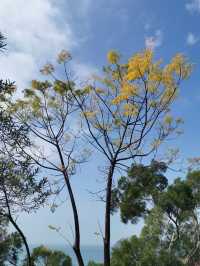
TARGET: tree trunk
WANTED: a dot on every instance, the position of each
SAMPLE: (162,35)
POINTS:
(9,215)
(107,216)
(29,263)
(76,246)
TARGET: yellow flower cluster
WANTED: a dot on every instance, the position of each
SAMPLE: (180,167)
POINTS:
(99,91)
(120,98)
(167,78)
(153,103)
(151,87)
(130,110)
(139,64)
(128,89)
(181,67)
(155,73)
(90,114)
(115,75)
(113,57)
(169,95)
(168,119)
(35,84)
(178,66)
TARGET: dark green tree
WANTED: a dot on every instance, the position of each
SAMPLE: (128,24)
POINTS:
(170,235)
(10,245)
(47,257)
(92,263)
(21,189)
(137,191)
(147,249)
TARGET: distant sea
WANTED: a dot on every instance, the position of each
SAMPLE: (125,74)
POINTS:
(89,253)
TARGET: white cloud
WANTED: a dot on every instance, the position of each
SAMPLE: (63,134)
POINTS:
(36,31)
(191,39)
(83,73)
(155,40)
(194,5)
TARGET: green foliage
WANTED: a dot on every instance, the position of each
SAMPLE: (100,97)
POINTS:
(145,250)
(19,188)
(10,245)
(92,263)
(45,256)
(178,200)
(170,235)
(2,41)
(142,185)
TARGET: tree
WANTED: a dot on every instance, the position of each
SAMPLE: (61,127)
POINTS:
(45,256)
(20,191)
(126,112)
(48,111)
(180,205)
(145,250)
(92,263)
(139,191)
(2,41)
(20,187)
(10,245)
(170,235)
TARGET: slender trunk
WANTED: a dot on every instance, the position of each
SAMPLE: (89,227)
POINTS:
(76,246)
(107,216)
(23,238)
(9,215)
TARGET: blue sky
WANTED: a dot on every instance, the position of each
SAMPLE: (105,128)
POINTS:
(36,30)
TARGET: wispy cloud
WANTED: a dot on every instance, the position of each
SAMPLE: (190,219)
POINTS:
(193,5)
(36,31)
(191,39)
(155,40)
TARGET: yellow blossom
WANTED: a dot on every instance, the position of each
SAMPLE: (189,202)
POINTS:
(155,73)
(113,57)
(128,89)
(139,64)
(89,114)
(130,110)
(99,90)
(167,77)
(119,98)
(153,104)
(168,119)
(152,88)
(169,94)
(35,84)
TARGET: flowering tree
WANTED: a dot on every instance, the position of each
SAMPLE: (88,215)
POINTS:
(48,110)
(127,113)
